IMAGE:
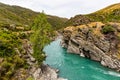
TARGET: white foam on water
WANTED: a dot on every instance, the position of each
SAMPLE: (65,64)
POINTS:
(98,77)
(112,73)
(82,67)
(98,69)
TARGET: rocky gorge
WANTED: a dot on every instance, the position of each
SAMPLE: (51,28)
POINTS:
(95,41)
(35,72)
(30,45)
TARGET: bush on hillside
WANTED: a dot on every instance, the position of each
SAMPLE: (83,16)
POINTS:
(107,29)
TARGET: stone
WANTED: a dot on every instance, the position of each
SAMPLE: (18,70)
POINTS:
(88,41)
(47,73)
(72,48)
(82,55)
(36,74)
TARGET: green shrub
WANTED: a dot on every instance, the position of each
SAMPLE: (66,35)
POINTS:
(30,78)
(6,64)
(107,29)
(8,70)
(8,42)
(23,35)
(19,61)
(9,73)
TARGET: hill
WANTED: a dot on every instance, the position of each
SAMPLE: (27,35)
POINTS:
(19,43)
(22,16)
(108,14)
(17,55)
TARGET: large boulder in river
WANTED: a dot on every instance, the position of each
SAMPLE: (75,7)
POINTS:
(97,41)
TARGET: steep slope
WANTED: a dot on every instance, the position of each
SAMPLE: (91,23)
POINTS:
(18,60)
(78,20)
(109,8)
(108,14)
(16,15)
(96,41)
(22,16)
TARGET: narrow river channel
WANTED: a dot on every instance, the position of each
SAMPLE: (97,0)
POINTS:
(74,67)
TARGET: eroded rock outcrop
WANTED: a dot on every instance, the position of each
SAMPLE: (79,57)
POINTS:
(34,71)
(93,42)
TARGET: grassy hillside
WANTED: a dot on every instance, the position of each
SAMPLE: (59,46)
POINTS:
(56,22)
(15,45)
(77,20)
(16,15)
(108,14)
(22,16)
(17,54)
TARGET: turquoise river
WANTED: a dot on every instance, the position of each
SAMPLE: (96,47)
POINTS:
(74,67)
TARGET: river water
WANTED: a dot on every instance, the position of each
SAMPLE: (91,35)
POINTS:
(74,67)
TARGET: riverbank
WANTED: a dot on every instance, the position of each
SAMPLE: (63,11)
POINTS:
(74,67)
(45,73)
(33,70)
(96,41)
(36,72)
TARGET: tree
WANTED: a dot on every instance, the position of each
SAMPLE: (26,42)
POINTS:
(41,36)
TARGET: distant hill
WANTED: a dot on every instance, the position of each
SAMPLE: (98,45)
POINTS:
(56,22)
(108,14)
(22,16)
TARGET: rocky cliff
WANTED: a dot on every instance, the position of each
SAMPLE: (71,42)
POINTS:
(35,72)
(43,72)
(96,41)
(16,56)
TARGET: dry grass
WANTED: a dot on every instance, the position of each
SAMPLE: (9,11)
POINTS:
(70,28)
(109,8)
(95,27)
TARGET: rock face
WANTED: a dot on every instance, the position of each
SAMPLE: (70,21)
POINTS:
(43,72)
(89,41)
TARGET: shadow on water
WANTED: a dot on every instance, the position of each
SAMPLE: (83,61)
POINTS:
(74,67)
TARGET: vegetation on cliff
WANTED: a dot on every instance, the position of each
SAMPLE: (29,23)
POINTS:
(15,31)
(107,29)
(41,36)
(14,46)
(10,53)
